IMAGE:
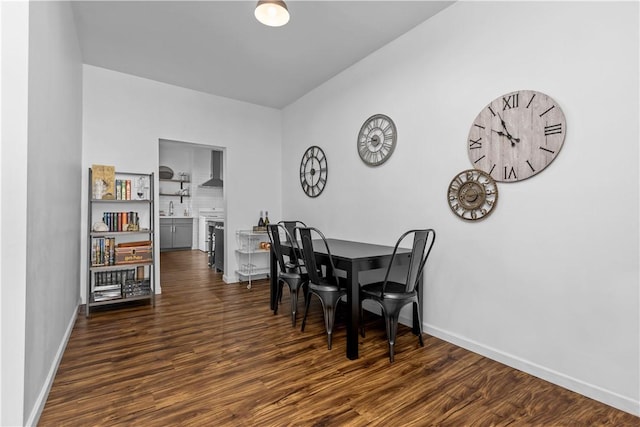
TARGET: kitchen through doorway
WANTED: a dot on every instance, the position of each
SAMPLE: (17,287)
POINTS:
(191,198)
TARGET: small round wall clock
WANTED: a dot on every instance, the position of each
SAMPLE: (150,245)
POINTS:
(517,135)
(377,139)
(472,194)
(313,171)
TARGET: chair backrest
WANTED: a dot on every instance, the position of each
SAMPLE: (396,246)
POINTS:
(307,235)
(290,226)
(273,231)
(422,244)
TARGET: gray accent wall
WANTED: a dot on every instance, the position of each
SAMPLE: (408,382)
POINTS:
(53,202)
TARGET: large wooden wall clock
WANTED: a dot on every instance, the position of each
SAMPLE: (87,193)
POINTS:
(313,171)
(517,135)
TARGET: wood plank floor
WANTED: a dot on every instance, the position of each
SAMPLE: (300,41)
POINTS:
(212,354)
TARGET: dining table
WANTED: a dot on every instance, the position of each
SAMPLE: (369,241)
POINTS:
(351,257)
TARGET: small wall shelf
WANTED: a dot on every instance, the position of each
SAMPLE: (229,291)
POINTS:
(182,183)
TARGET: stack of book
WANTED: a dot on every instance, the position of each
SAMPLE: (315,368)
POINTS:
(103,251)
(123,189)
(121,221)
(108,285)
(134,288)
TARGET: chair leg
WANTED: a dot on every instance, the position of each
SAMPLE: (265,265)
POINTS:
(329,321)
(361,320)
(306,309)
(419,324)
(294,306)
(392,328)
(278,297)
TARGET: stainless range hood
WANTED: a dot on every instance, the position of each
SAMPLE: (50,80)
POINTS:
(216,170)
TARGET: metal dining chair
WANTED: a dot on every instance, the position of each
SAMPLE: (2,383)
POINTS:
(291,273)
(330,288)
(290,226)
(393,296)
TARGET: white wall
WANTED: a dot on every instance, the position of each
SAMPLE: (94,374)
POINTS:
(41,195)
(13,220)
(126,116)
(549,282)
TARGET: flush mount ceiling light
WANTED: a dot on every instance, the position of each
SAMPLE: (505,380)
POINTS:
(273,13)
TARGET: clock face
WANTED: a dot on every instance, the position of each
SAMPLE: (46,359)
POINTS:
(313,171)
(517,135)
(377,139)
(472,194)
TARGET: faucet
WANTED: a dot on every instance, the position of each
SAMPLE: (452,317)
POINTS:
(171,208)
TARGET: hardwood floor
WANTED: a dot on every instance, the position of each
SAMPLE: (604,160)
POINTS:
(212,354)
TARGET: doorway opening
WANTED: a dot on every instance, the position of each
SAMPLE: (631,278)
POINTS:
(191,195)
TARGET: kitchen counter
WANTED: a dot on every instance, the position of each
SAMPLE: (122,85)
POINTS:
(177,216)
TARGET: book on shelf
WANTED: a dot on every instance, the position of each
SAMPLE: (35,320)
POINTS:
(121,221)
(107,295)
(103,251)
(123,189)
(103,185)
(107,285)
(136,288)
(103,288)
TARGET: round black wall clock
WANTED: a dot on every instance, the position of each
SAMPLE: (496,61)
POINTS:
(313,171)
(377,139)
(472,194)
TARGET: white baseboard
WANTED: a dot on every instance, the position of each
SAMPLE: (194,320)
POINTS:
(592,391)
(34,416)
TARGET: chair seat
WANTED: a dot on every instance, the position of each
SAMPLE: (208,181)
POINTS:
(289,266)
(326,285)
(293,276)
(393,290)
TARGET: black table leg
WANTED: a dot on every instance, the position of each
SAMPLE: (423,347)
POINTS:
(353,318)
(273,280)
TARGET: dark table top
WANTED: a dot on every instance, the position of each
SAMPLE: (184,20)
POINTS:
(347,249)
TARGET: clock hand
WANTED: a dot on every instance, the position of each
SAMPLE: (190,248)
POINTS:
(504,125)
(509,137)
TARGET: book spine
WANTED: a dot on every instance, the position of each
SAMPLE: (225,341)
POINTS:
(128,189)
(107,249)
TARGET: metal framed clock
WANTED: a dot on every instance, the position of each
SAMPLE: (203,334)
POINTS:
(472,194)
(377,139)
(313,171)
(517,135)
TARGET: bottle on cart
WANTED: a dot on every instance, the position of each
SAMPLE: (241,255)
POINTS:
(261,221)
(266,218)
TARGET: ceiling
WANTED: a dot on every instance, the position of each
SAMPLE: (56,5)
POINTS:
(220,48)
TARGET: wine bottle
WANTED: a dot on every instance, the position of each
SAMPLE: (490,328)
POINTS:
(261,221)
(266,218)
